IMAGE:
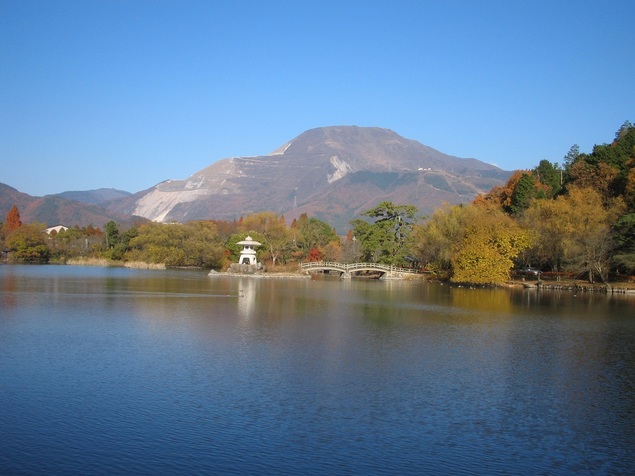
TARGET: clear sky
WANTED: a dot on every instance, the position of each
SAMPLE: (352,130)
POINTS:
(128,93)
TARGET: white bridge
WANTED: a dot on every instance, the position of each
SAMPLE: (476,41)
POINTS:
(347,270)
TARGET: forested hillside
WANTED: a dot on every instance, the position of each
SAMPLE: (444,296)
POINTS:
(576,218)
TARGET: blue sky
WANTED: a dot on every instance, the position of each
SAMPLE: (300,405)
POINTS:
(126,94)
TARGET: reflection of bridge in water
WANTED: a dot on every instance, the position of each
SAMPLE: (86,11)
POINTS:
(347,270)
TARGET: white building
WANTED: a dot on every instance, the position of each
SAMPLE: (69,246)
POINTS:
(56,229)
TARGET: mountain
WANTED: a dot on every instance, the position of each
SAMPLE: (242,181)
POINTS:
(9,196)
(58,210)
(95,197)
(333,173)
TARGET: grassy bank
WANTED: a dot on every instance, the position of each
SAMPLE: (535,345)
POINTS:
(111,263)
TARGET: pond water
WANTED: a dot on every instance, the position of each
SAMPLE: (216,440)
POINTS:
(118,371)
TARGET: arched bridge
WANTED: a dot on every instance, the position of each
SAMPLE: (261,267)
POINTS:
(346,270)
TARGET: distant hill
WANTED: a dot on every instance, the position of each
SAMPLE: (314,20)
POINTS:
(333,173)
(95,197)
(9,196)
(58,210)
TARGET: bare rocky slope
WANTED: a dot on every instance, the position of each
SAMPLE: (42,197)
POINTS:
(333,173)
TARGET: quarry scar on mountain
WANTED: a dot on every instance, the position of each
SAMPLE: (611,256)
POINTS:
(331,173)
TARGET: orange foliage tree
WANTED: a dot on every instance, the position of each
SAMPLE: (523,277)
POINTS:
(13,221)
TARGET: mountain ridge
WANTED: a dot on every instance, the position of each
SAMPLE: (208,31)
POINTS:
(59,210)
(299,176)
(334,173)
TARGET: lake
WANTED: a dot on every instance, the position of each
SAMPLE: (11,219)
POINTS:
(119,371)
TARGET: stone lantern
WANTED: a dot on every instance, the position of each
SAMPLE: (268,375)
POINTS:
(248,254)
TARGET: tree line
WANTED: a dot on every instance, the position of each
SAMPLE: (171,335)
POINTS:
(577,218)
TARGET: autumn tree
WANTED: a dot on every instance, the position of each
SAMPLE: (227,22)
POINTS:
(434,240)
(490,242)
(600,177)
(309,233)
(542,221)
(28,244)
(276,238)
(333,251)
(607,167)
(13,221)
(349,248)
(506,196)
(191,244)
(586,225)
(315,254)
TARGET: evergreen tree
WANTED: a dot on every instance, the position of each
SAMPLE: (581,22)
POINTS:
(550,176)
(386,240)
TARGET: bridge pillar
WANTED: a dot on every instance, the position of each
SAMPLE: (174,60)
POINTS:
(345,275)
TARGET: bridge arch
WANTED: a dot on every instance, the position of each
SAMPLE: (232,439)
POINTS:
(347,270)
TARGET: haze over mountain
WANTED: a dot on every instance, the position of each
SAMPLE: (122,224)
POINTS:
(332,173)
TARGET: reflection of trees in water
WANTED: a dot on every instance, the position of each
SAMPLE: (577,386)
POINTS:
(485,300)
(7,296)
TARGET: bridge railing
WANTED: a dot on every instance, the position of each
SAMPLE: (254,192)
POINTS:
(348,267)
(324,264)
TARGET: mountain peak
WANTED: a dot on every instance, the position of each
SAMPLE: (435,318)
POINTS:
(333,173)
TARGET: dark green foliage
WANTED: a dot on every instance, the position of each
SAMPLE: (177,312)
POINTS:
(312,233)
(112,234)
(550,176)
(524,192)
(385,241)
(572,155)
(625,238)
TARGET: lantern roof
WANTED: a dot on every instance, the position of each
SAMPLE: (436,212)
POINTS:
(249,241)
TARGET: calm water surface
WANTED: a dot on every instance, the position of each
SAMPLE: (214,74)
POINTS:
(115,371)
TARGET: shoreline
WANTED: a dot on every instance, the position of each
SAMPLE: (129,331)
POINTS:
(620,287)
(106,263)
(214,273)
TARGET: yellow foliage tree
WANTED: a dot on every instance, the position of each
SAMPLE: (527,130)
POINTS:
(585,223)
(274,229)
(490,242)
(433,240)
(543,220)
